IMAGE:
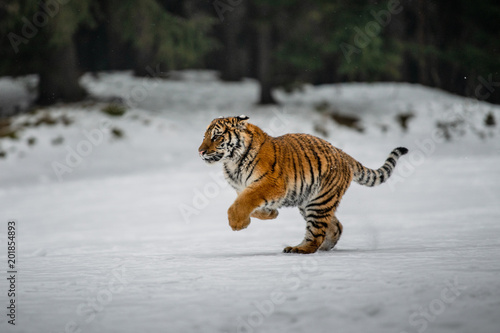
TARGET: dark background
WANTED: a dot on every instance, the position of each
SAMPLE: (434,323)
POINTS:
(452,45)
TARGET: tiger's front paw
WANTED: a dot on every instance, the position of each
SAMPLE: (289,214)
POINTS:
(265,214)
(237,221)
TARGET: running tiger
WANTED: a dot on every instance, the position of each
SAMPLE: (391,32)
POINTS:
(287,171)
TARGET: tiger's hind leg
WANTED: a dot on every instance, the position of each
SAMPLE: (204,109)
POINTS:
(333,233)
(322,224)
(316,230)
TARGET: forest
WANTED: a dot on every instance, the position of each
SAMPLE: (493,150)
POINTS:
(451,45)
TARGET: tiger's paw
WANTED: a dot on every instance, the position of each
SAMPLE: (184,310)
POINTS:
(299,249)
(236,220)
(265,214)
(239,225)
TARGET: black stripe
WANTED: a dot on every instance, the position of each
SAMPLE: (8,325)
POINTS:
(362,172)
(229,173)
(401,150)
(318,159)
(275,161)
(335,183)
(314,204)
(321,210)
(373,174)
(391,161)
(300,168)
(238,138)
(262,176)
(235,146)
(381,177)
(254,161)
(388,169)
(367,178)
(245,154)
(318,224)
(368,175)
(308,161)
(294,177)
(317,216)
(339,229)
(315,153)
(275,158)
(321,196)
(313,234)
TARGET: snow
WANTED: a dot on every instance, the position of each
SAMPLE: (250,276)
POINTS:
(17,94)
(135,237)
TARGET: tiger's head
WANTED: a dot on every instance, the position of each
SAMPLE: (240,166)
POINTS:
(222,138)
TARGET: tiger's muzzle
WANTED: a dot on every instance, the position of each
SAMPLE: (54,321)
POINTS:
(210,157)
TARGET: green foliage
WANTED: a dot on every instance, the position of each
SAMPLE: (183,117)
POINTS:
(175,41)
(145,25)
(379,60)
(435,43)
(11,22)
(479,39)
(374,56)
(70,17)
(319,30)
(114,110)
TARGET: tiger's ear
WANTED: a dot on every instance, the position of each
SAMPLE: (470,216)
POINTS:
(241,121)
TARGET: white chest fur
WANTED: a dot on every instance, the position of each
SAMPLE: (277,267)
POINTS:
(237,178)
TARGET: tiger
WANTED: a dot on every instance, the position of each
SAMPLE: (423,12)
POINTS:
(293,170)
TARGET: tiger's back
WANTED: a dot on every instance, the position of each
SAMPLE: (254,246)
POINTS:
(291,170)
(307,165)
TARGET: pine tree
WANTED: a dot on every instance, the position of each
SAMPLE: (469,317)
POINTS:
(41,39)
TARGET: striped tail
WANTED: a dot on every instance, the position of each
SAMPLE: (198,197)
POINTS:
(369,177)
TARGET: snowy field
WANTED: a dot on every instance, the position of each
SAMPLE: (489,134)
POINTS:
(130,234)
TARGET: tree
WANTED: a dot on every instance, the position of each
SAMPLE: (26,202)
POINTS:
(264,61)
(40,34)
(297,40)
(59,72)
(234,36)
(457,52)
(159,37)
(47,30)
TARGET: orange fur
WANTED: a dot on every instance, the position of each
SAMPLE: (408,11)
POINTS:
(291,170)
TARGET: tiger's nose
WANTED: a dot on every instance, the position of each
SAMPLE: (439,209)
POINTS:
(202,152)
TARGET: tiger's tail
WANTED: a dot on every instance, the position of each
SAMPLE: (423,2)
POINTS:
(369,177)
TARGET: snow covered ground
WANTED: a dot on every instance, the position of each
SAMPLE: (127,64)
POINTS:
(130,234)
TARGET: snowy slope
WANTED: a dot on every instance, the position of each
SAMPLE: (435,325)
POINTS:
(135,236)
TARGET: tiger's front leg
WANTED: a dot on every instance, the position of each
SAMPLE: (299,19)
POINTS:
(245,205)
(238,218)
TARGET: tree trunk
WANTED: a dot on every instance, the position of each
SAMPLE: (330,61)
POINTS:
(234,62)
(264,75)
(59,77)
(144,58)
(421,23)
(144,55)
